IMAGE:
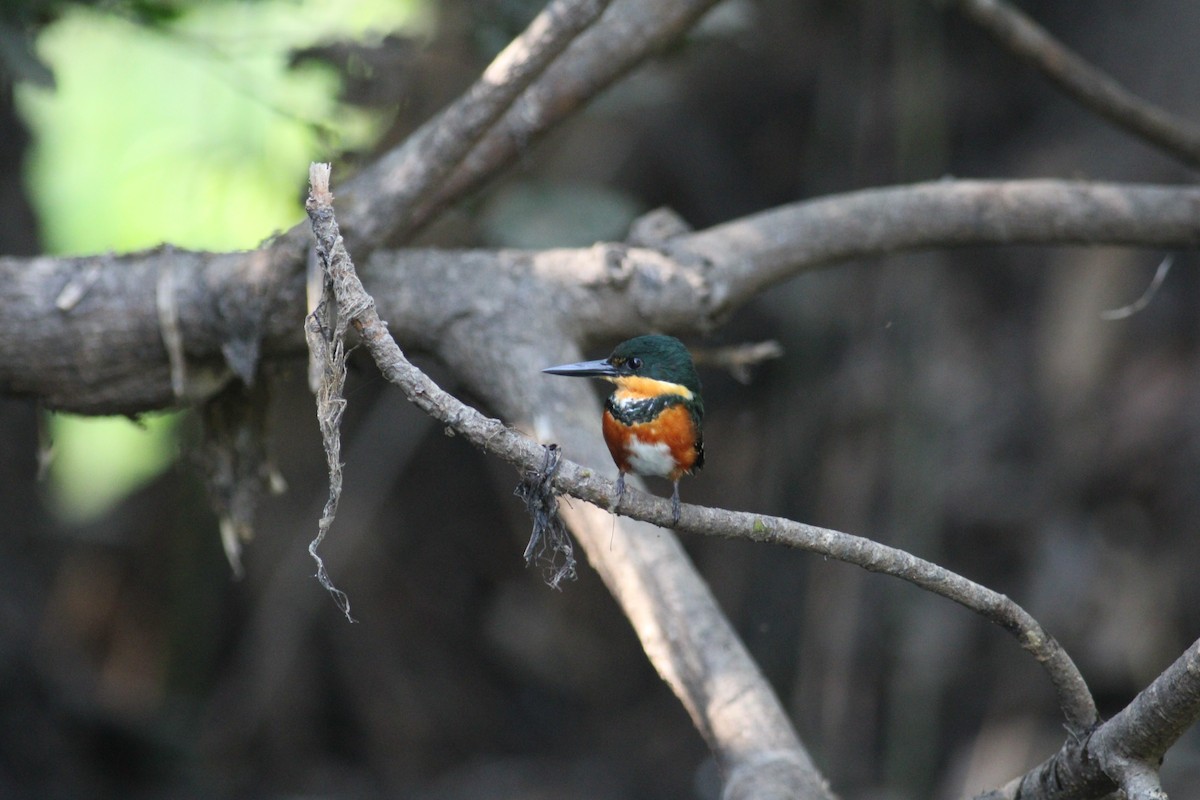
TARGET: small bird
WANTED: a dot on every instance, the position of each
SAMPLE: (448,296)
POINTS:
(653,419)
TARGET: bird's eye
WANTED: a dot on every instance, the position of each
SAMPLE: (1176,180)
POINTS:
(634,363)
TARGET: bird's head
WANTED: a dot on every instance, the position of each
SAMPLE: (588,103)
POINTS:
(645,365)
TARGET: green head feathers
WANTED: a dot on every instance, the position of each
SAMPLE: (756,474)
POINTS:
(658,358)
(663,358)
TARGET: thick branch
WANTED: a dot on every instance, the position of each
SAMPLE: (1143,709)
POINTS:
(692,281)
(1088,85)
(1145,729)
(753,252)
(104,352)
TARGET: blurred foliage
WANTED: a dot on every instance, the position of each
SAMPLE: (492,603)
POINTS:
(99,460)
(184,123)
(197,133)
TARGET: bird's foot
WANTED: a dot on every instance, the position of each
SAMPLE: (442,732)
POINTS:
(616,500)
(675,505)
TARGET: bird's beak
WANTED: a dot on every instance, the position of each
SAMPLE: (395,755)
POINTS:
(585,369)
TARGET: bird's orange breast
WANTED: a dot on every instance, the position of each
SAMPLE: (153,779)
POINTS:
(665,446)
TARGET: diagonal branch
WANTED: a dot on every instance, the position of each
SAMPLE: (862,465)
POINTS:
(632,31)
(379,203)
(568,55)
(1135,740)
(1088,85)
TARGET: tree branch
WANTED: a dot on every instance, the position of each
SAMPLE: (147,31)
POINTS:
(630,32)
(78,360)
(569,54)
(1086,84)
(1126,751)
(379,203)
(1137,738)
(763,249)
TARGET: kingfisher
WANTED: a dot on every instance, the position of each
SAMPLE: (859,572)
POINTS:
(653,420)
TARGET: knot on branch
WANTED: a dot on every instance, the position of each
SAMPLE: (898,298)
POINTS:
(549,543)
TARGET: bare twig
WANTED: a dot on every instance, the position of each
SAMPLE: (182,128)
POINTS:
(1088,85)
(1123,312)
(1074,698)
(331,356)
(738,358)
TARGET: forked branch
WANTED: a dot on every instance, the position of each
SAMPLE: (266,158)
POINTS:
(1126,751)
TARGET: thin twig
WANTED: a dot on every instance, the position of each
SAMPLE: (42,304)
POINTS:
(1085,83)
(1074,697)
(325,330)
(738,358)
(1160,275)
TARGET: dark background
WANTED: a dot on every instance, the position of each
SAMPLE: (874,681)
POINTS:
(968,405)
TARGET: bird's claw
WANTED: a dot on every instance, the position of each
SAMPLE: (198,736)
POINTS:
(616,500)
